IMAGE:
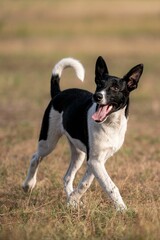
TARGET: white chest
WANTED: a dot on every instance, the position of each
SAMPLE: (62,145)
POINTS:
(108,137)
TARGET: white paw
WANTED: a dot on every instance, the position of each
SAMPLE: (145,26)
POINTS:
(73,204)
(121,208)
(73,201)
(28,186)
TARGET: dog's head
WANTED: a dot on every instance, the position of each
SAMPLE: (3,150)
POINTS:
(112,93)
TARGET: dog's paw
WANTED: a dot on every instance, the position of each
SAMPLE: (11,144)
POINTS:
(73,201)
(121,208)
(72,204)
(75,204)
(28,186)
(25,188)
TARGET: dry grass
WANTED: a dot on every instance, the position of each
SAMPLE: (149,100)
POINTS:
(35,35)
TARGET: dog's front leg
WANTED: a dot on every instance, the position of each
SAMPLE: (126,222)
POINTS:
(106,183)
(77,158)
(84,184)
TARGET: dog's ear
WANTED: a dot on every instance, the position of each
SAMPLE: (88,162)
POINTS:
(100,69)
(133,76)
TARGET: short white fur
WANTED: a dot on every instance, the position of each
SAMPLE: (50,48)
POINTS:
(69,62)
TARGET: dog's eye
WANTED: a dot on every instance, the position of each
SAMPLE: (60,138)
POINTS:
(114,88)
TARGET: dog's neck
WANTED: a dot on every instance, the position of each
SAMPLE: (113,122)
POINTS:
(116,117)
(109,134)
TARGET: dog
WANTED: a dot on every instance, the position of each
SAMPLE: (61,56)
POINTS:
(94,124)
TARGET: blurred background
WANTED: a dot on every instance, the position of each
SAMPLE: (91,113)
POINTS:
(34,35)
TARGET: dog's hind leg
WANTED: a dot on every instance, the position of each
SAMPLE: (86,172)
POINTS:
(44,148)
(77,158)
(30,180)
(46,145)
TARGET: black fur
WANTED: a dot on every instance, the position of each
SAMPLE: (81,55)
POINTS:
(117,90)
(55,87)
(74,103)
(45,123)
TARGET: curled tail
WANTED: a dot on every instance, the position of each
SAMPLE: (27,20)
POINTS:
(58,69)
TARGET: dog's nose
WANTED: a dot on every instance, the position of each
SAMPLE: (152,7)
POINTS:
(98,96)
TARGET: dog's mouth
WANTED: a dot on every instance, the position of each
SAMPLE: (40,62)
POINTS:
(102,113)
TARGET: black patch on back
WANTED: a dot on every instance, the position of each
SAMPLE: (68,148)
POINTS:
(45,123)
(74,103)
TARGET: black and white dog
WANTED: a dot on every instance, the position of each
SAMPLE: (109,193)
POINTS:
(94,124)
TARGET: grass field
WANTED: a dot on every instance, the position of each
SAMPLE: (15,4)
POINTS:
(34,35)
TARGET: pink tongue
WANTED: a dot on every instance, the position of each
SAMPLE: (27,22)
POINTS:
(101,113)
